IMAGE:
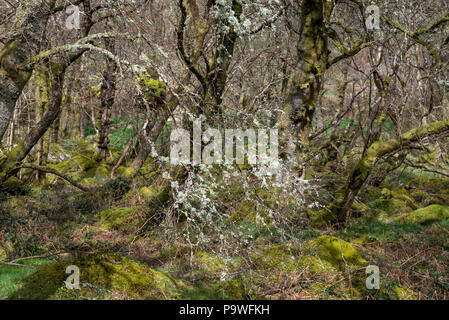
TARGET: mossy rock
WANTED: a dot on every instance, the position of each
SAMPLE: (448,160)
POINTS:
(14,186)
(390,206)
(157,194)
(337,252)
(400,194)
(119,219)
(321,217)
(102,276)
(102,171)
(427,215)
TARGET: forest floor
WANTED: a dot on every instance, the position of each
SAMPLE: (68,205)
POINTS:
(63,226)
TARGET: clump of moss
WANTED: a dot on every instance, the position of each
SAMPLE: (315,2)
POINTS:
(389,207)
(154,89)
(337,252)
(15,187)
(157,194)
(119,219)
(321,218)
(427,215)
(102,276)
(125,172)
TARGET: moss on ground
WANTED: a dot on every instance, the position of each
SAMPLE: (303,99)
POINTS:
(427,215)
(323,258)
(102,276)
(119,219)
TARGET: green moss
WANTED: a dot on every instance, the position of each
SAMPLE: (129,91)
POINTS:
(209,263)
(123,218)
(400,194)
(102,276)
(283,258)
(321,218)
(102,171)
(322,258)
(146,192)
(390,206)
(427,215)
(14,186)
(337,252)
(126,172)
(403,293)
(153,88)
(232,289)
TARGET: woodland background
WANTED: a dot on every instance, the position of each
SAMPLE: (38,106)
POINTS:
(85,176)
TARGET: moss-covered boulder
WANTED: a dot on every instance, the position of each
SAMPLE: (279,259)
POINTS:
(387,209)
(400,194)
(427,215)
(337,252)
(120,219)
(15,187)
(102,276)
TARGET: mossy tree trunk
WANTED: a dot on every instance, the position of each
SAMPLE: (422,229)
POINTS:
(107,101)
(11,163)
(42,96)
(37,14)
(307,78)
(24,43)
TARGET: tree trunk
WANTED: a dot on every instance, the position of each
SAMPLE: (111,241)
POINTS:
(107,101)
(25,42)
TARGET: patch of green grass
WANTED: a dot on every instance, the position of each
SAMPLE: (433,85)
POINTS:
(11,276)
